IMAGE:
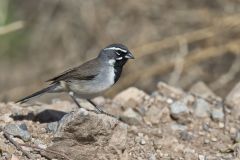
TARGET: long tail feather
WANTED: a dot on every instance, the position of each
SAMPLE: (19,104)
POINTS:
(38,93)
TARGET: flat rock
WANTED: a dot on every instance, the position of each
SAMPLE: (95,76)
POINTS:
(89,136)
(18,131)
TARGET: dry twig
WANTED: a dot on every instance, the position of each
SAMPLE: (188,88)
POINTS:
(11,27)
(179,62)
(219,25)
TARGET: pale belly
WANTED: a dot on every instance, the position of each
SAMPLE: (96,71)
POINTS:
(92,88)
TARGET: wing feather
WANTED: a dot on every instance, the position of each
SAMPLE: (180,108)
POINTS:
(86,71)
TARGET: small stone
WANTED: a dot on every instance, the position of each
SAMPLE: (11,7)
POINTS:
(206,141)
(83,111)
(165,155)
(52,127)
(137,139)
(186,136)
(178,127)
(131,117)
(201,133)
(200,88)
(233,130)
(201,157)
(40,144)
(6,118)
(99,101)
(131,97)
(142,142)
(180,112)
(14,157)
(169,91)
(233,98)
(237,137)
(221,125)
(140,134)
(169,101)
(214,139)
(217,114)
(157,114)
(201,108)
(18,131)
(206,127)
(152,157)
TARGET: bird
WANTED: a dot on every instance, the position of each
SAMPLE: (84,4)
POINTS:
(91,78)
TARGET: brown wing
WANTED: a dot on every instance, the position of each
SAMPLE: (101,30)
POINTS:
(86,71)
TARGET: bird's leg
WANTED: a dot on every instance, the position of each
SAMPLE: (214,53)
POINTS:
(71,94)
(99,109)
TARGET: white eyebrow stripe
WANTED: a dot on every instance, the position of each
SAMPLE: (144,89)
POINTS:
(119,58)
(116,48)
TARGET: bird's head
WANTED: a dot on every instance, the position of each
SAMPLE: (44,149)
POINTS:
(116,54)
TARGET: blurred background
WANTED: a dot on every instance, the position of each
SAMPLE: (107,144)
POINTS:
(178,42)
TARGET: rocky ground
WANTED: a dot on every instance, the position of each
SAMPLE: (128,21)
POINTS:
(168,124)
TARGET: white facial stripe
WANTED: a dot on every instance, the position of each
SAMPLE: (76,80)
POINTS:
(111,61)
(119,58)
(116,49)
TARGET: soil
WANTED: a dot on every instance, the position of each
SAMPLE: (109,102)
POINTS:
(167,124)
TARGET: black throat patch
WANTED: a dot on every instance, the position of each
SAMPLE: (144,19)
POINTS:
(117,71)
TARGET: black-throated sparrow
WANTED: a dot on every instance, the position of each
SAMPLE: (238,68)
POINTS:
(91,78)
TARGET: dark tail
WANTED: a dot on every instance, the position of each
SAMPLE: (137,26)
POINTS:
(38,93)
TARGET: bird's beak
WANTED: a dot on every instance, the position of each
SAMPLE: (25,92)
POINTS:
(129,55)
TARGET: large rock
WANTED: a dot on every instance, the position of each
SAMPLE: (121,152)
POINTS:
(89,136)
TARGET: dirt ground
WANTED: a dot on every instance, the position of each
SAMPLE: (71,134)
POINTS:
(166,124)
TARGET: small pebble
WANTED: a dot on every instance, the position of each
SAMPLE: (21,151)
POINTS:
(213,139)
(201,157)
(142,142)
(206,141)
(169,101)
(140,134)
(206,127)
(201,133)
(221,125)
(186,136)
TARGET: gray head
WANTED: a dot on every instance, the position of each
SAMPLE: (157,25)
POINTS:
(116,54)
